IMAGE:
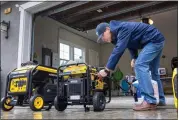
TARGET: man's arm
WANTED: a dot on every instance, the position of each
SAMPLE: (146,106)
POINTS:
(133,52)
(122,41)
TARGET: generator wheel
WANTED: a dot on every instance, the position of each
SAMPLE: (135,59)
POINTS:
(36,102)
(176,85)
(99,101)
(4,104)
(59,105)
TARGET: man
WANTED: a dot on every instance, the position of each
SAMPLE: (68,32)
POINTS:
(134,36)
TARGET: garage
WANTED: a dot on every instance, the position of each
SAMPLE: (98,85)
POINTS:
(53,33)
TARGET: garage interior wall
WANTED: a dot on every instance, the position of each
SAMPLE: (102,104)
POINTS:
(9,47)
(167,23)
(48,32)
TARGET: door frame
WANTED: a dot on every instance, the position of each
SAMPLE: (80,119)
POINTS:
(26,28)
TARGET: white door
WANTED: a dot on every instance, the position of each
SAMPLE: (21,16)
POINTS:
(93,58)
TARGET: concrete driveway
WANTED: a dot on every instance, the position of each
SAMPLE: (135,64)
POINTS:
(119,108)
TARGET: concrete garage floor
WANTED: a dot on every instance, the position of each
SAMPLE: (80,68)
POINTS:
(119,108)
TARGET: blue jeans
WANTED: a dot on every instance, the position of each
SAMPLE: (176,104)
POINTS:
(149,60)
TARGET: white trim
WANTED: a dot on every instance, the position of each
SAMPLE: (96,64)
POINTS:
(20,45)
(24,37)
(30,4)
(34,7)
(27,36)
(25,27)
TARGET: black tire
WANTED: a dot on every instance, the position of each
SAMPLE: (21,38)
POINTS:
(99,101)
(60,105)
(33,101)
(4,105)
(176,85)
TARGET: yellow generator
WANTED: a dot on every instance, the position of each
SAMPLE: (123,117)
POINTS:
(175,86)
(78,84)
(32,85)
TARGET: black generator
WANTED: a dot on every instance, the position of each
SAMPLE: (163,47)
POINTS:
(78,84)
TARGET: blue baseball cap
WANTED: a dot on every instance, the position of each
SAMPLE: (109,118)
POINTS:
(100,29)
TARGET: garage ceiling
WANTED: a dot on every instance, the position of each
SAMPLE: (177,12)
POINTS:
(85,15)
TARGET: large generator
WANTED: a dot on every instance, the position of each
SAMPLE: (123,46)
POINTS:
(31,84)
(78,84)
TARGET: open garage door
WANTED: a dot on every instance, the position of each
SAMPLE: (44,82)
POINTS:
(27,18)
(82,16)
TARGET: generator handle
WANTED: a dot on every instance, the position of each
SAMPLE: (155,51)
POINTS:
(59,68)
(71,64)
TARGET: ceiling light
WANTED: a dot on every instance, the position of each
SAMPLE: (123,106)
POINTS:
(151,21)
(147,20)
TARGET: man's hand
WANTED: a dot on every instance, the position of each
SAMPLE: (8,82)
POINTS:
(132,63)
(103,73)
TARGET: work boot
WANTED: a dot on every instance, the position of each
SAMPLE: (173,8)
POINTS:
(144,106)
